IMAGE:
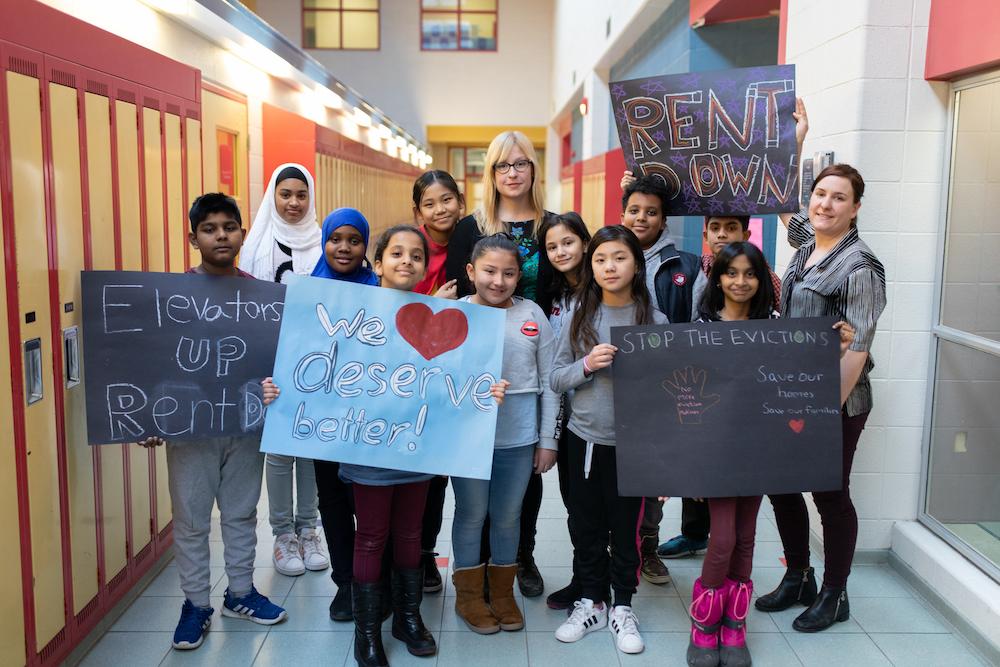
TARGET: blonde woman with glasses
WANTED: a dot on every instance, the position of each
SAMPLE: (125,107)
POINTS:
(513,199)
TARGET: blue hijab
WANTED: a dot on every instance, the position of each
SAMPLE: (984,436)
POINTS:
(339,218)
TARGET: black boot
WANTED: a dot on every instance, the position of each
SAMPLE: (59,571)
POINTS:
(407,625)
(340,608)
(797,586)
(368,650)
(565,597)
(529,579)
(432,576)
(831,606)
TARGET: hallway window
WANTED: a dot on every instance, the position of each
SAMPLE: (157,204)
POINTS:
(340,24)
(962,488)
(458,25)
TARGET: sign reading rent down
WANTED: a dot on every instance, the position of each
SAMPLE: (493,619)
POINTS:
(385,378)
(722,142)
(179,356)
(718,409)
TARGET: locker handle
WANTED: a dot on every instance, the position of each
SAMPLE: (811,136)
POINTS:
(71,351)
(33,370)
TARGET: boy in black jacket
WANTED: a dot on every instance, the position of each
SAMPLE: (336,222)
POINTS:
(676,281)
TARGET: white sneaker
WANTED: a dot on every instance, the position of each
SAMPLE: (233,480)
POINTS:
(287,557)
(311,548)
(625,627)
(585,618)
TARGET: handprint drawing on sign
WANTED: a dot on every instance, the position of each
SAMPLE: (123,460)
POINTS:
(687,386)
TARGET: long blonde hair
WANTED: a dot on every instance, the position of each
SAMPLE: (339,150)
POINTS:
(487,215)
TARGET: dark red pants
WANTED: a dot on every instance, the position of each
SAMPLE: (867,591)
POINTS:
(398,509)
(730,545)
(840,520)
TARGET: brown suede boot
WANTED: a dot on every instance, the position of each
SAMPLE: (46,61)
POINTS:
(469,603)
(502,602)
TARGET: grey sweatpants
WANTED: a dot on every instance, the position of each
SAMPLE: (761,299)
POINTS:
(227,471)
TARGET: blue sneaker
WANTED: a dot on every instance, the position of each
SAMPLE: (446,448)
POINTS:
(253,606)
(191,629)
(681,547)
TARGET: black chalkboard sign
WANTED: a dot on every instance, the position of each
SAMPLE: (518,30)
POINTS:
(178,356)
(715,409)
(722,142)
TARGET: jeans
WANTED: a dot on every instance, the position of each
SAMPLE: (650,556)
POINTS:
(500,497)
(278,473)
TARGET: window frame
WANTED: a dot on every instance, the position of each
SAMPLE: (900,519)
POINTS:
(322,10)
(940,332)
(459,11)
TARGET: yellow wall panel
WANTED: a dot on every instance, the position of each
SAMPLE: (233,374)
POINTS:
(99,170)
(102,228)
(79,459)
(566,194)
(222,113)
(153,165)
(176,206)
(192,138)
(126,129)
(592,201)
(11,600)
(24,109)
(128,205)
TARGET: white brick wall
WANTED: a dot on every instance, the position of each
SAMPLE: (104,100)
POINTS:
(860,69)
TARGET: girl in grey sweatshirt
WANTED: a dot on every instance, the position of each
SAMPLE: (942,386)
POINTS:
(612,293)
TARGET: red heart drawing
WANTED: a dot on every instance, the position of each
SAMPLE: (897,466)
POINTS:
(797,424)
(431,334)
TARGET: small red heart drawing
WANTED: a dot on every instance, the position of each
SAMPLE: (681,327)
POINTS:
(797,424)
(431,334)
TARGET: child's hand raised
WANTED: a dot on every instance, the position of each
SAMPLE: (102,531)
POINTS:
(628,178)
(448,291)
(152,441)
(544,459)
(270,390)
(847,334)
(600,357)
(499,390)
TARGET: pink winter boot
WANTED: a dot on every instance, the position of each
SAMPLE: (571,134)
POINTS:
(706,618)
(733,637)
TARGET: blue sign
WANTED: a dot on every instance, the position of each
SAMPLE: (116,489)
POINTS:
(385,378)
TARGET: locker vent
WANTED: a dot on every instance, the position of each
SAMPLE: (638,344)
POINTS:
(193,114)
(97,87)
(145,553)
(126,96)
(165,533)
(87,611)
(151,102)
(52,647)
(63,78)
(23,66)
(118,580)
(174,109)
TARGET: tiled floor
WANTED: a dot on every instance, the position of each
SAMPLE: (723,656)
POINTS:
(889,624)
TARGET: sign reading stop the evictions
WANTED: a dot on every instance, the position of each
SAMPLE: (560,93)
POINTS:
(385,378)
(705,410)
(722,142)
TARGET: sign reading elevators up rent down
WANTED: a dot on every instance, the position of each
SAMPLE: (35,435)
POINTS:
(385,378)
(722,142)
(179,356)
(716,409)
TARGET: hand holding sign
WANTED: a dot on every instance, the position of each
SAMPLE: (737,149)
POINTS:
(688,388)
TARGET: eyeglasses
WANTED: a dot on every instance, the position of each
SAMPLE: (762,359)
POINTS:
(520,166)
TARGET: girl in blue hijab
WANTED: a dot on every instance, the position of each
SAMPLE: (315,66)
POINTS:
(345,242)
